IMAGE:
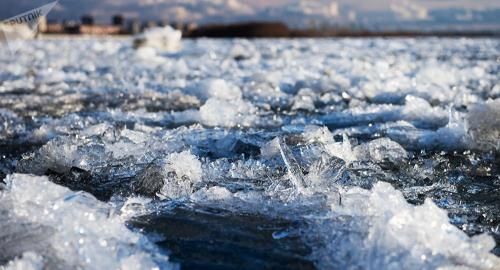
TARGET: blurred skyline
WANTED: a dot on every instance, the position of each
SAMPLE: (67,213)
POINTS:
(376,14)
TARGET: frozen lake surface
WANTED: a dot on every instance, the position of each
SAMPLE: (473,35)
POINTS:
(282,154)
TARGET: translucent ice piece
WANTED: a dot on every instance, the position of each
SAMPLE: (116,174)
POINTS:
(85,233)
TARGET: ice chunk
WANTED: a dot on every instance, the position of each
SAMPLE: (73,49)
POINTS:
(304,100)
(419,111)
(421,235)
(162,38)
(242,201)
(322,135)
(385,232)
(294,170)
(219,112)
(216,88)
(483,124)
(10,124)
(182,171)
(85,232)
(135,206)
(381,150)
(213,194)
(325,174)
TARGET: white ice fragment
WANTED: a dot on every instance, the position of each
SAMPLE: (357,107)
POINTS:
(322,135)
(247,201)
(419,110)
(294,170)
(10,124)
(135,206)
(182,171)
(216,88)
(85,233)
(212,194)
(483,124)
(381,150)
(407,231)
(304,100)
(395,234)
(162,38)
(270,149)
(58,155)
(318,134)
(219,112)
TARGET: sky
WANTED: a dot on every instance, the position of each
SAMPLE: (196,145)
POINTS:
(385,14)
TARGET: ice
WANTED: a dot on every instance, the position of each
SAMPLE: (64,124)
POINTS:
(382,150)
(294,171)
(83,232)
(304,100)
(399,235)
(162,38)
(322,135)
(219,112)
(363,153)
(182,171)
(216,88)
(11,125)
(483,124)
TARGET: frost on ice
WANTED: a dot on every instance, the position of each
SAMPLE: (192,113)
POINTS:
(374,153)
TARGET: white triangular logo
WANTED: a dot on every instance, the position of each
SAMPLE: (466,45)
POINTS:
(24,25)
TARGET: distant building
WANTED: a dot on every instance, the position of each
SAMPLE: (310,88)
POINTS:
(118,20)
(134,26)
(71,27)
(100,29)
(87,20)
(54,28)
(150,24)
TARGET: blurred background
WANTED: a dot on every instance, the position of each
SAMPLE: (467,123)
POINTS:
(268,17)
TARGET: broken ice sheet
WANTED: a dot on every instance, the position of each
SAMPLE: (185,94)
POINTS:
(74,229)
(379,229)
(150,131)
